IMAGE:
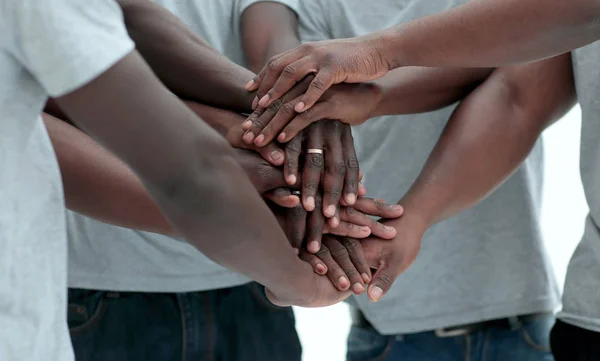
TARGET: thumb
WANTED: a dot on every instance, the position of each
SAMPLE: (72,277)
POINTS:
(383,280)
(271,153)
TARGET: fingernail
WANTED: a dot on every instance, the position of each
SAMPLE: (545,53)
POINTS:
(321,269)
(247,124)
(351,199)
(291,179)
(310,203)
(248,137)
(344,283)
(281,137)
(361,185)
(330,211)
(249,84)
(296,251)
(313,247)
(254,103)
(365,277)
(357,288)
(299,107)
(259,139)
(276,155)
(365,229)
(389,229)
(376,293)
(263,101)
(335,222)
(397,207)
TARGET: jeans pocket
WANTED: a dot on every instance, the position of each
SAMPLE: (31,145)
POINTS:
(86,308)
(536,333)
(367,345)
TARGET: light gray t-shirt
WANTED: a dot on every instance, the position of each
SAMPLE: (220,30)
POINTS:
(106,257)
(46,47)
(581,300)
(486,263)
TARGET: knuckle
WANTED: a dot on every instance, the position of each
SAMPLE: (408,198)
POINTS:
(339,252)
(338,168)
(352,163)
(385,279)
(318,202)
(307,115)
(380,205)
(272,65)
(316,161)
(297,212)
(352,273)
(287,109)
(292,163)
(293,147)
(275,106)
(350,211)
(311,186)
(289,71)
(334,192)
(351,244)
(318,84)
(323,252)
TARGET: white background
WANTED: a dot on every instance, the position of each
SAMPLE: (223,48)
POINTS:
(323,331)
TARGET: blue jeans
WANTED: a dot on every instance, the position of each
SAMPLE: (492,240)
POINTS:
(527,342)
(234,324)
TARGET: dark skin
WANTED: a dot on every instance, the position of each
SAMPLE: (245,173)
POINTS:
(276,25)
(499,33)
(403,91)
(486,139)
(193,176)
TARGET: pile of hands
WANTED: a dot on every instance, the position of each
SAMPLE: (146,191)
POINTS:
(305,167)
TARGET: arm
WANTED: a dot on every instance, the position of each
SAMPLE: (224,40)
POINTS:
(487,138)
(193,176)
(184,62)
(268,28)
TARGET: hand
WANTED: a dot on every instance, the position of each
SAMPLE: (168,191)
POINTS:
(263,175)
(343,261)
(391,258)
(351,104)
(329,152)
(357,216)
(229,125)
(353,60)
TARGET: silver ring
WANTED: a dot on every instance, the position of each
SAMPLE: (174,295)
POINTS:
(296,193)
(315,151)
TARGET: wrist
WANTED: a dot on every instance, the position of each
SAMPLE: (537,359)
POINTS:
(391,48)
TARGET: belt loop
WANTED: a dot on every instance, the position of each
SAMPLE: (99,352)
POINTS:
(514,322)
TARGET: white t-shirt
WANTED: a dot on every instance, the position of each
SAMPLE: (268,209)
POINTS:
(105,257)
(46,47)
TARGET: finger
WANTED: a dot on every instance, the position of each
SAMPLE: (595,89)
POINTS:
(322,81)
(303,120)
(341,256)
(259,121)
(296,226)
(271,127)
(282,197)
(352,169)
(316,224)
(335,168)
(362,190)
(383,279)
(292,159)
(288,74)
(348,230)
(272,153)
(378,208)
(357,257)
(335,273)
(317,264)
(335,220)
(313,167)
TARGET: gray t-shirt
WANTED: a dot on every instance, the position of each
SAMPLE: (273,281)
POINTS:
(46,47)
(581,300)
(106,257)
(486,263)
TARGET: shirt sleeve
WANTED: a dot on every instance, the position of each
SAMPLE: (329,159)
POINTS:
(66,43)
(292,4)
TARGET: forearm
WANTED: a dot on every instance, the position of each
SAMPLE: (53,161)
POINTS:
(493,33)
(183,61)
(488,137)
(98,185)
(412,90)
(268,29)
(189,171)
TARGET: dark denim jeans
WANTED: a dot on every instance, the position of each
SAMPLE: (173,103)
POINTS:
(234,324)
(528,342)
(571,343)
